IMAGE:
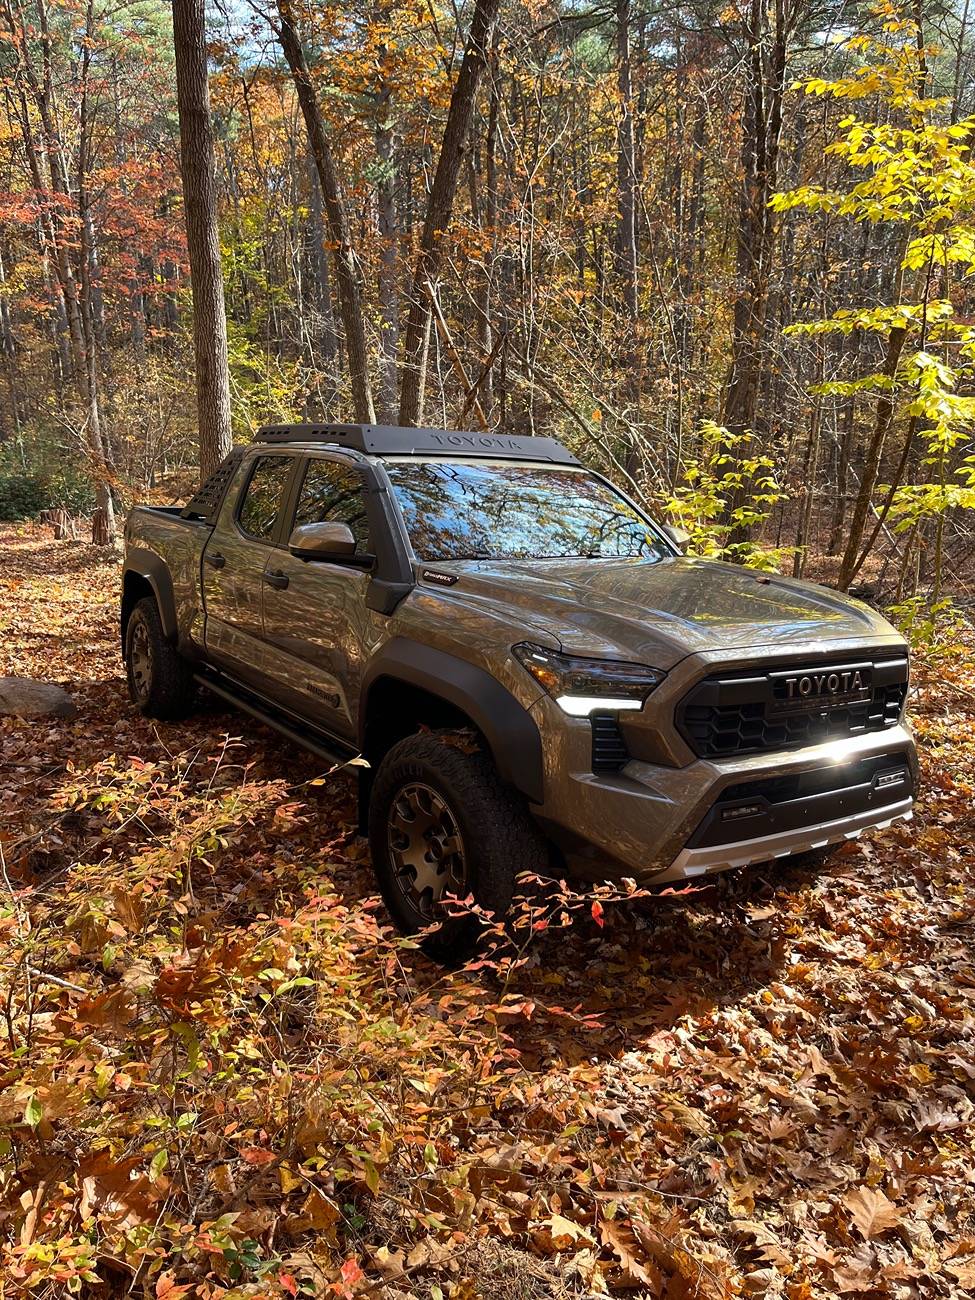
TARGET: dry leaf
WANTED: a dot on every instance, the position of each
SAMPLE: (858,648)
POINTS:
(390,1263)
(871,1212)
(620,1239)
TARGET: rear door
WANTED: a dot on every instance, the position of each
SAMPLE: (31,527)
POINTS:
(317,628)
(246,538)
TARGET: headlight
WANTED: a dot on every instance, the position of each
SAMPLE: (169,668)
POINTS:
(581,686)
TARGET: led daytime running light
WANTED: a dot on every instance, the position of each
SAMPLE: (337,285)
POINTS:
(582,686)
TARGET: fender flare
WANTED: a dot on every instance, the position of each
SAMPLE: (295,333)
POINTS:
(153,569)
(507,726)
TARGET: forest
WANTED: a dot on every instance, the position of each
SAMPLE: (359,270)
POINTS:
(724,251)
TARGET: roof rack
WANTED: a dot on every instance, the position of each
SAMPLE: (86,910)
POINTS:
(388,440)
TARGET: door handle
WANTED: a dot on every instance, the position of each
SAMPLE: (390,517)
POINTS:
(277,579)
(216,560)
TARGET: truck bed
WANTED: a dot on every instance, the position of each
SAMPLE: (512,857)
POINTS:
(165,550)
(161,510)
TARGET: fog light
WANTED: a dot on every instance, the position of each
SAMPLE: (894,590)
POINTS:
(743,810)
(884,780)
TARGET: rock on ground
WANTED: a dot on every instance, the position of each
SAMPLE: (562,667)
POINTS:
(22,698)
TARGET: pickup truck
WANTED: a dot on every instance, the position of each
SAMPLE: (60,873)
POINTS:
(532,674)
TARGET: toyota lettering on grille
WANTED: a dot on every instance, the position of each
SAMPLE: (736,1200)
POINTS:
(847,682)
(820,689)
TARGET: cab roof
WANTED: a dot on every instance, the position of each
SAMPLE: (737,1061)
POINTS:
(390,440)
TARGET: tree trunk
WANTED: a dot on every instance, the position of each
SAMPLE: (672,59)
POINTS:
(626,263)
(440,208)
(347,271)
(137,304)
(61,523)
(100,535)
(841,479)
(8,350)
(199,171)
(884,419)
(755,245)
(810,466)
(322,334)
(170,274)
(756,229)
(691,234)
(625,250)
(485,317)
(89,306)
(104,533)
(388,263)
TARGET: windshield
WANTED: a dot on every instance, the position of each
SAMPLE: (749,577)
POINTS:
(457,511)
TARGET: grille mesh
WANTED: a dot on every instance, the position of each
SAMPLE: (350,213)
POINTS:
(715,729)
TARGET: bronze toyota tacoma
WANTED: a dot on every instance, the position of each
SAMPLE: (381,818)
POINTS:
(622,710)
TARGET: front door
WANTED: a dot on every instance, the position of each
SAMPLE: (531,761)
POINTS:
(234,562)
(317,629)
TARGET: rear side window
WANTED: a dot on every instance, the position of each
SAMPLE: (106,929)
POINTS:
(333,493)
(262,501)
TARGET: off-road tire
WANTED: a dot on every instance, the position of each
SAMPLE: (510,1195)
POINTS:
(500,839)
(166,690)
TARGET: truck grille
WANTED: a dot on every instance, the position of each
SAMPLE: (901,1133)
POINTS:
(787,708)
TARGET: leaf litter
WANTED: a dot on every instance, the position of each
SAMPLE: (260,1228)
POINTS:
(223,1075)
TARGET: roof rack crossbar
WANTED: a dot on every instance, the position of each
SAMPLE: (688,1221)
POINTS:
(389,440)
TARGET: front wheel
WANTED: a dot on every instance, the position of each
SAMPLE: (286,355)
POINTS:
(442,825)
(160,680)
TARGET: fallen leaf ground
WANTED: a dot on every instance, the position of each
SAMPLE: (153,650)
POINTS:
(223,1076)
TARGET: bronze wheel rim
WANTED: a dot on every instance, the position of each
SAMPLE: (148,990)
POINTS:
(426,849)
(140,661)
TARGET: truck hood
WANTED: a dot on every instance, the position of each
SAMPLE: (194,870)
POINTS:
(657,612)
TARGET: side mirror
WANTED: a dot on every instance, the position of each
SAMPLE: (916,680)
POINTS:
(679,536)
(329,541)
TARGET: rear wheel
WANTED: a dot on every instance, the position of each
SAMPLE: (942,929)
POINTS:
(160,680)
(443,826)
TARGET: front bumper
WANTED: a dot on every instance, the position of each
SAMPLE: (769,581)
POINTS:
(644,821)
(742,853)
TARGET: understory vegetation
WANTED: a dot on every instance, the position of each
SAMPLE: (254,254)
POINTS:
(222,1075)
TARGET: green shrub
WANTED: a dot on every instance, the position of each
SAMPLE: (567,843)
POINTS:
(25,493)
(937,629)
(21,496)
(70,489)
(727,466)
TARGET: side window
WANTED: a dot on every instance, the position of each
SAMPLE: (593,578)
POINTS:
(333,492)
(259,510)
